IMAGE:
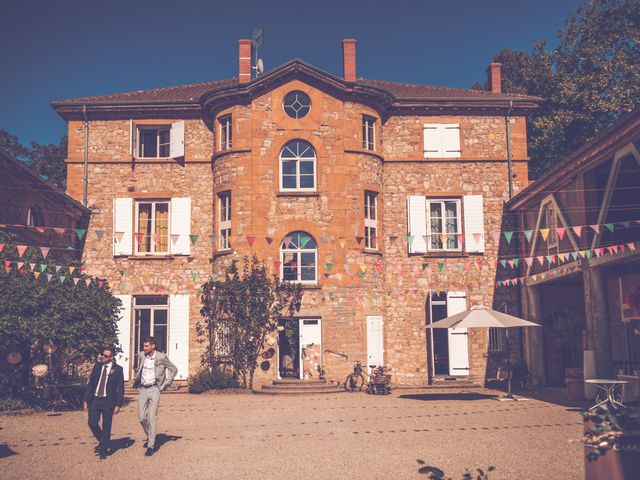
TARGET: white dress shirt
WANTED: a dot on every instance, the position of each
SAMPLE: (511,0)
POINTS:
(104,371)
(149,370)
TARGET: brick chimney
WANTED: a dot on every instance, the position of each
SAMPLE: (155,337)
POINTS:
(244,61)
(349,56)
(494,77)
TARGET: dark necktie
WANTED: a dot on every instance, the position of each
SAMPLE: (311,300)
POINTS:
(103,383)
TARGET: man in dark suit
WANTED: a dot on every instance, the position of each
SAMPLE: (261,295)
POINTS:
(104,397)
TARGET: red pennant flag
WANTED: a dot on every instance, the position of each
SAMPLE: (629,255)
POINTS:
(251,240)
(100,283)
(277,264)
(560,231)
(1,246)
(379,267)
(21,250)
(139,236)
(622,248)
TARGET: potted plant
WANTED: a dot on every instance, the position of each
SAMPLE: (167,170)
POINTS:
(568,328)
(612,442)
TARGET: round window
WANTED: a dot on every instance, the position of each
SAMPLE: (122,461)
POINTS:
(297,104)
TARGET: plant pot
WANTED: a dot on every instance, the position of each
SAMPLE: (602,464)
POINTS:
(575,388)
(623,464)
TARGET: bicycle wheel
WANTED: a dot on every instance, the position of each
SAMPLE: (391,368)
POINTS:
(354,383)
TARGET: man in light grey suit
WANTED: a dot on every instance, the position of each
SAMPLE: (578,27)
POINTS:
(155,373)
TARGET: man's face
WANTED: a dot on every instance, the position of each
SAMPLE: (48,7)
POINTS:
(148,348)
(107,356)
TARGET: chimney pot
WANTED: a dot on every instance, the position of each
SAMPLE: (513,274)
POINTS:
(349,58)
(495,77)
(244,61)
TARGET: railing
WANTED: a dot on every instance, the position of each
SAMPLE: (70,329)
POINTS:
(340,354)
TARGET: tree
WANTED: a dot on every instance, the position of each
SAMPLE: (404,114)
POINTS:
(79,319)
(588,81)
(249,305)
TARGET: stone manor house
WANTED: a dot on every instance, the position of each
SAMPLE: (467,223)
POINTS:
(381,198)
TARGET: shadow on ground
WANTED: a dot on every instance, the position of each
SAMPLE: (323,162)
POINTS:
(120,444)
(5,451)
(449,396)
(161,439)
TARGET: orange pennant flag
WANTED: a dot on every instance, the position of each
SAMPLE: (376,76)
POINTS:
(544,232)
(342,241)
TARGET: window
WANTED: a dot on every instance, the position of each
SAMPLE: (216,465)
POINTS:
(33,217)
(497,336)
(370,220)
(550,221)
(441,140)
(443,223)
(296,104)
(151,315)
(154,142)
(298,166)
(152,227)
(224,225)
(368,132)
(298,254)
(226,132)
(222,340)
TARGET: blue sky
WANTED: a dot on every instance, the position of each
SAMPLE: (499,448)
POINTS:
(70,48)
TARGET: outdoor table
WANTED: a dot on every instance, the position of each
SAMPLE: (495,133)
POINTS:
(607,386)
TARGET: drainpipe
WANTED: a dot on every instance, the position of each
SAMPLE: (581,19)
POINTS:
(86,155)
(508,124)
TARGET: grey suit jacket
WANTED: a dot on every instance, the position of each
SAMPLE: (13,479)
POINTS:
(165,370)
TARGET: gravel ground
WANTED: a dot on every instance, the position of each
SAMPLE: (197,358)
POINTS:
(229,436)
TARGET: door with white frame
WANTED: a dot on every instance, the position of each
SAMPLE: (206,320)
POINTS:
(151,314)
(310,345)
(457,337)
(375,342)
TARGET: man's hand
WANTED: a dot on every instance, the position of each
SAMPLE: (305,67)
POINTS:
(116,410)
(85,407)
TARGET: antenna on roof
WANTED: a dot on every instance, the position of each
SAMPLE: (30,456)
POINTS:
(257,36)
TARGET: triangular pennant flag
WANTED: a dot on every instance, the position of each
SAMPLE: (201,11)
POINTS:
(363,267)
(194,275)
(100,283)
(549,259)
(277,264)
(442,267)
(304,240)
(75,281)
(609,226)
(58,267)
(587,254)
(508,236)
(347,267)
(495,236)
(32,266)
(425,266)
(544,232)
(71,269)
(560,231)
(174,238)
(231,275)
(595,228)
(529,261)
(62,278)
(2,246)
(379,267)
(443,238)
(625,224)
(21,250)
(582,253)
(574,255)
(342,241)
(99,234)
(287,241)
(359,240)
(328,266)
(540,260)
(59,231)
(119,236)
(49,276)
(621,247)
(194,238)
(36,274)
(527,234)
(503,263)
(615,249)
(516,261)
(361,275)
(19,265)
(251,239)
(409,240)
(461,238)
(269,240)
(80,232)
(477,237)
(87,281)
(631,246)
(512,264)
(43,267)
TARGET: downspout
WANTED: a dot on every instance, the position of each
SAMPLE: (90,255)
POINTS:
(86,155)
(508,124)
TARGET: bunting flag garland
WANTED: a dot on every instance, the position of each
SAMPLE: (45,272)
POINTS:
(1,246)
(609,226)
(508,236)
(578,230)
(80,232)
(596,228)
(251,239)
(269,240)
(342,241)
(99,234)
(194,239)
(528,234)
(544,233)
(21,250)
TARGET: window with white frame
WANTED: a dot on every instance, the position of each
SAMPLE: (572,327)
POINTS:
(368,132)
(226,132)
(151,316)
(441,140)
(154,142)
(298,167)
(152,227)
(443,224)
(370,220)
(299,257)
(224,223)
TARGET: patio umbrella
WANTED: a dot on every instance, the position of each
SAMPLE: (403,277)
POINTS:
(480,316)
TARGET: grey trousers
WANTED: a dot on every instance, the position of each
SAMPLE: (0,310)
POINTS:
(148,402)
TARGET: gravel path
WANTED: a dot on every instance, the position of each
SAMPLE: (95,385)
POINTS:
(229,436)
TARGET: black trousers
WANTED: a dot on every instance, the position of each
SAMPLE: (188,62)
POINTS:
(101,407)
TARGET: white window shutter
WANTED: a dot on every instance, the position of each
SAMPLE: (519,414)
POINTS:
(417,223)
(432,140)
(473,223)
(457,337)
(181,226)
(133,137)
(375,341)
(124,334)
(176,139)
(122,226)
(451,140)
(178,347)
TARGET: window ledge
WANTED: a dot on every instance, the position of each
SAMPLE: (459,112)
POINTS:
(370,251)
(222,153)
(223,253)
(372,153)
(311,287)
(297,194)
(440,255)
(151,257)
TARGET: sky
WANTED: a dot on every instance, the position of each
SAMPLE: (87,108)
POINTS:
(55,49)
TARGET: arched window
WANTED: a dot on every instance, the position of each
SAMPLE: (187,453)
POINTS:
(299,257)
(298,167)
(34,219)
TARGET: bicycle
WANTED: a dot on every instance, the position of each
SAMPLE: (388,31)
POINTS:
(355,381)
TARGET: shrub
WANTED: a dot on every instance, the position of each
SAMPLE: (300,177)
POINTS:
(10,403)
(215,378)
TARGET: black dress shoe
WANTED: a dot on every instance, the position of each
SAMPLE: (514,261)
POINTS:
(96,449)
(148,452)
(103,454)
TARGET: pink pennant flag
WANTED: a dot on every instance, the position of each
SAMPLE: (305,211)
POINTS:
(44,251)
(21,249)
(541,260)
(139,236)
(478,236)
(621,247)
(461,238)
(529,261)
(560,231)
(19,265)
(287,241)
(32,266)
(59,231)
(596,228)
(512,264)
(87,281)
(40,229)
(251,239)
(494,235)
(2,246)
(75,281)
(277,264)
(174,238)
(100,283)
(615,248)
(553,259)
(632,246)
(578,230)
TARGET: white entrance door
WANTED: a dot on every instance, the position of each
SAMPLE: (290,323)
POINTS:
(375,342)
(310,347)
(458,342)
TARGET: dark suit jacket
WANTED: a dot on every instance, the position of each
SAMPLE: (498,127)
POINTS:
(115,384)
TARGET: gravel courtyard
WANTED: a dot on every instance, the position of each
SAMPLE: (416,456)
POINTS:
(229,436)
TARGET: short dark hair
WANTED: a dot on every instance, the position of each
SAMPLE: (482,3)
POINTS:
(150,340)
(111,349)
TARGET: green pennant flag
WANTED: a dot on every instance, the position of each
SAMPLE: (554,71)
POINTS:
(304,240)
(609,226)
(121,272)
(425,266)
(587,253)
(516,261)
(69,247)
(193,238)
(499,283)
(123,286)
(361,274)
(442,267)
(43,267)
(328,266)
(330,295)
(62,278)
(410,240)
(508,236)
(80,232)
(193,275)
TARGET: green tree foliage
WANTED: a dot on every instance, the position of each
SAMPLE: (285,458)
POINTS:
(249,304)
(45,160)
(588,81)
(79,319)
